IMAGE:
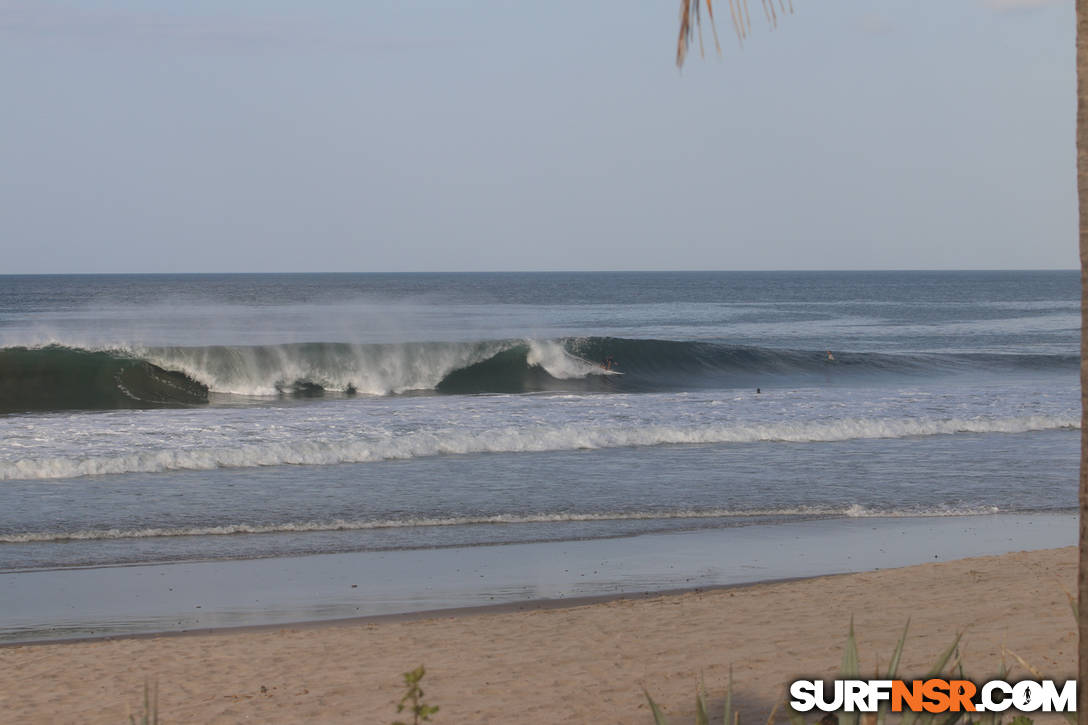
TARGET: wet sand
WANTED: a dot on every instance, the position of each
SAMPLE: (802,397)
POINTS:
(576,664)
(90,602)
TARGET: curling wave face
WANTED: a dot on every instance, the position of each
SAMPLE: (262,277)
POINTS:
(63,378)
(59,377)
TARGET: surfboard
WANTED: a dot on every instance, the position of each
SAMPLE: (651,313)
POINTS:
(595,368)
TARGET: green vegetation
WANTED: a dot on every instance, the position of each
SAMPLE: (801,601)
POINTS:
(850,669)
(413,698)
(150,714)
(413,702)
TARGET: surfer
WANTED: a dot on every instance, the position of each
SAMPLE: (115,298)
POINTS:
(830,357)
(607,363)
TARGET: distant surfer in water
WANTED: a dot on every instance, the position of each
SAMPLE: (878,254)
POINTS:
(607,363)
(830,357)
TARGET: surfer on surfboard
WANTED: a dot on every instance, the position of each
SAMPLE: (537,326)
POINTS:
(607,363)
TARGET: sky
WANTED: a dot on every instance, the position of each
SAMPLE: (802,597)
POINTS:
(481,135)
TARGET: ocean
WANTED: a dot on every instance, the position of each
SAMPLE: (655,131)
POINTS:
(170,419)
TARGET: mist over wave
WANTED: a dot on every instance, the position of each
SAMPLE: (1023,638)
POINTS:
(57,377)
(168,418)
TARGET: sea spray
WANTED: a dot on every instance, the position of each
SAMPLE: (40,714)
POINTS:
(59,377)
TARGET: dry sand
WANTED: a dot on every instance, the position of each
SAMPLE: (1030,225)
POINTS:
(583,664)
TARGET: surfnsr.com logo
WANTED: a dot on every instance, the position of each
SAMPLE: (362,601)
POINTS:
(933,696)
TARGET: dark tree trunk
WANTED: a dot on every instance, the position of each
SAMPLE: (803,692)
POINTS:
(1082,197)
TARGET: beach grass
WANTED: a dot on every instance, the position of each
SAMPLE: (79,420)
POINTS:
(851,669)
(149,715)
(414,703)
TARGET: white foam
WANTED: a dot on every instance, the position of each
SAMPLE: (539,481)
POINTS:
(369,369)
(565,517)
(458,440)
(858,511)
(559,363)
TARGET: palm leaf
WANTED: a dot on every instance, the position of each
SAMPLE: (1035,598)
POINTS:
(691,22)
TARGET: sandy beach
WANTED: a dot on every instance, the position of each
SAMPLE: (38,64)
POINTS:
(577,664)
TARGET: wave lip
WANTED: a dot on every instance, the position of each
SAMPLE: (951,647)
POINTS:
(495,366)
(59,377)
(56,377)
(852,511)
(448,441)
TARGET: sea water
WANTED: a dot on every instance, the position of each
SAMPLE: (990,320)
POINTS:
(187,418)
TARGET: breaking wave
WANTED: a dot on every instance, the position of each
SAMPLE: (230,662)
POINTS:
(62,378)
(58,377)
(454,441)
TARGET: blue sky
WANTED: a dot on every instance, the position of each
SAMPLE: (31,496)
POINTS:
(265,135)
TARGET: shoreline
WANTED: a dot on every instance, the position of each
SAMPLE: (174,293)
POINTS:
(534,605)
(581,663)
(112,602)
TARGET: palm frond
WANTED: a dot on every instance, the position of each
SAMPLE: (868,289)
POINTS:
(691,22)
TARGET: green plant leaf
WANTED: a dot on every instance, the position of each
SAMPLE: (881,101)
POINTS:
(945,656)
(795,717)
(850,655)
(942,660)
(727,714)
(893,667)
(659,717)
(850,670)
(701,717)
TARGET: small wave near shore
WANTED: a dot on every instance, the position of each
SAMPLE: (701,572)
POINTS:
(453,441)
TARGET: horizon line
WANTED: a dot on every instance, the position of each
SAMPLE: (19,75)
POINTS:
(546,271)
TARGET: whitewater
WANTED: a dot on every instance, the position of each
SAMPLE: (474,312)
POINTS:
(297,448)
(182,418)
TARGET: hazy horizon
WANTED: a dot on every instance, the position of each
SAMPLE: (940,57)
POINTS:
(436,135)
(542,271)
